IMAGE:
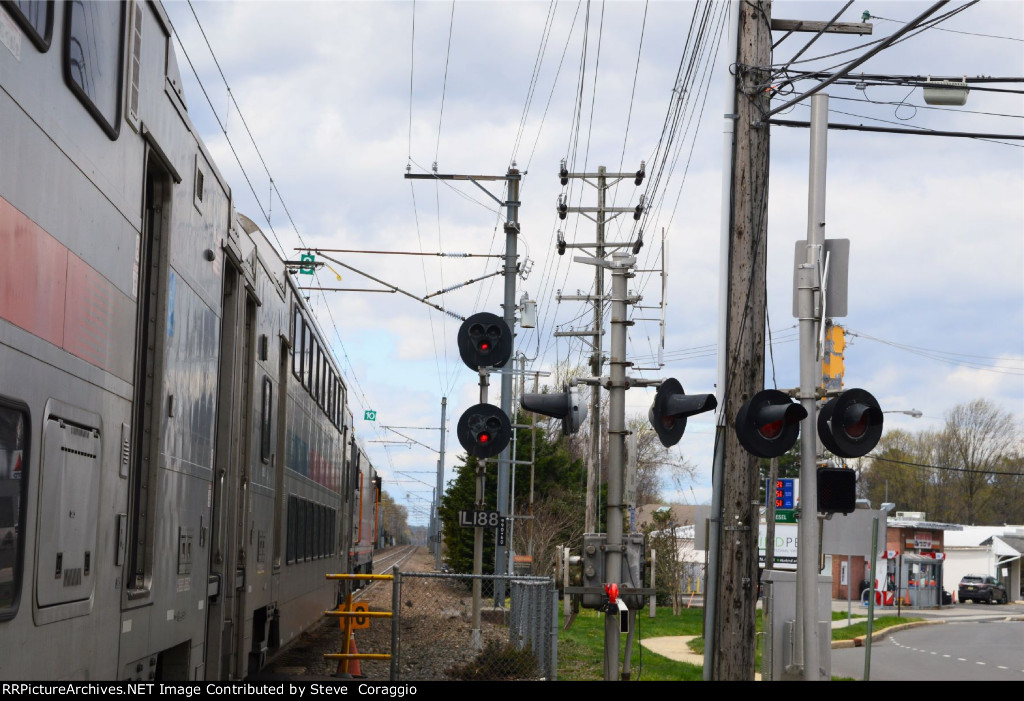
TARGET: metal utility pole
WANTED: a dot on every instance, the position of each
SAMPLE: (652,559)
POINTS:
(599,181)
(616,545)
(730,620)
(476,641)
(511,269)
(509,306)
(809,301)
(621,264)
(440,490)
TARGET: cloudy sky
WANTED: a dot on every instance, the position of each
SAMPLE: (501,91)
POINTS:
(343,98)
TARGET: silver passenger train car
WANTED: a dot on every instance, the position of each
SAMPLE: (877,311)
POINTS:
(178,469)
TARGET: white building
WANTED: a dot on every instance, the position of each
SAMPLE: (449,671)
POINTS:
(987,550)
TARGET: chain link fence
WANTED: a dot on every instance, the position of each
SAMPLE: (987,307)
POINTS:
(440,633)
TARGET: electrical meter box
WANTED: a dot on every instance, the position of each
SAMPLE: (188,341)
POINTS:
(595,552)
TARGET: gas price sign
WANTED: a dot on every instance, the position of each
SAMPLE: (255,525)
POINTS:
(784,492)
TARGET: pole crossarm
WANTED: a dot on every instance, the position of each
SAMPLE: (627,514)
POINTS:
(583,210)
(473,179)
(799,25)
(611,245)
(582,333)
(881,46)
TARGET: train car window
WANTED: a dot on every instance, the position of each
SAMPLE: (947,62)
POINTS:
(327,532)
(321,531)
(35,18)
(266,419)
(332,410)
(297,343)
(320,384)
(13,498)
(332,525)
(293,529)
(300,532)
(309,530)
(318,361)
(307,354)
(329,391)
(93,59)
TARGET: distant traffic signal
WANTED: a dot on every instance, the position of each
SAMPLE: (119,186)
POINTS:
(484,341)
(767,426)
(837,490)
(565,405)
(851,424)
(484,430)
(670,408)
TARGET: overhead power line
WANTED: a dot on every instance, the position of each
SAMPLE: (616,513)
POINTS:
(947,468)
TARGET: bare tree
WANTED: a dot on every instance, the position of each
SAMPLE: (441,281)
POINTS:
(977,440)
(971,471)
(656,464)
(663,538)
(556,521)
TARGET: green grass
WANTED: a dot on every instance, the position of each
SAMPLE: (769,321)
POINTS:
(881,623)
(841,615)
(581,648)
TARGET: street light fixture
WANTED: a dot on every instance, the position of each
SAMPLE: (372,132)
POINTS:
(916,413)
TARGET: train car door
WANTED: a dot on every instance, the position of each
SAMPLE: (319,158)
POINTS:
(226,609)
(149,343)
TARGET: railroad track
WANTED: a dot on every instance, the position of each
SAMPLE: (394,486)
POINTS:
(384,562)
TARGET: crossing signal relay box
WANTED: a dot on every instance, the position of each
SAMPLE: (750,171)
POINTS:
(631,579)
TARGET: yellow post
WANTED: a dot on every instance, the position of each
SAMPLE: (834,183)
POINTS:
(346,625)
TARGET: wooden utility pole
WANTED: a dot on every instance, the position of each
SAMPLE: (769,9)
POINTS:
(736,586)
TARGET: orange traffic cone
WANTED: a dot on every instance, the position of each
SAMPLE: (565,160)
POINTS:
(353,666)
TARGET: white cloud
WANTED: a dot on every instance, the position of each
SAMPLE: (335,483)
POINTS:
(936,225)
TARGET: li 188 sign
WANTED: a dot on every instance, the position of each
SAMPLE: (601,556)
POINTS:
(483,519)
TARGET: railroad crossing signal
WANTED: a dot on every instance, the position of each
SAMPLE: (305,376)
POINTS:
(767,426)
(851,424)
(484,430)
(670,408)
(565,405)
(484,341)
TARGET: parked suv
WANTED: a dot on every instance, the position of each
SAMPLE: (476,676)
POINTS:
(982,588)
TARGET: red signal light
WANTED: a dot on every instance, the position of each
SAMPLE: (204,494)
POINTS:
(858,429)
(483,438)
(772,430)
(484,346)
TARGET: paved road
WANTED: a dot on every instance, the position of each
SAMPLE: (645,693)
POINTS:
(959,650)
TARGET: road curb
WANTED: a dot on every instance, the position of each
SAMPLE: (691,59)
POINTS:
(878,635)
